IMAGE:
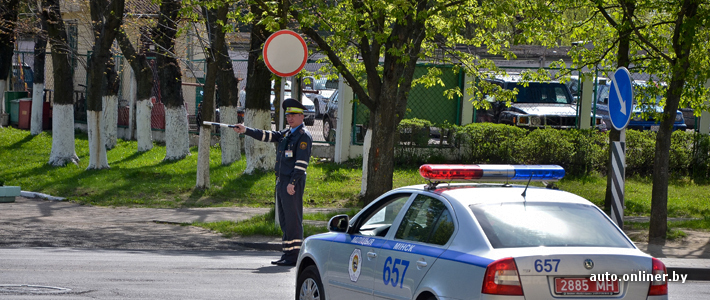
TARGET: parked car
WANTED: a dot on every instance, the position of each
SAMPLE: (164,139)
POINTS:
(537,105)
(330,117)
(319,91)
(445,240)
(310,113)
(643,114)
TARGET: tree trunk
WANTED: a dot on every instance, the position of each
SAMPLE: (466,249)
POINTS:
(106,24)
(208,104)
(63,149)
(684,37)
(8,22)
(143,75)
(97,150)
(260,155)
(110,106)
(144,133)
(3,83)
(38,80)
(176,135)
(380,166)
(228,87)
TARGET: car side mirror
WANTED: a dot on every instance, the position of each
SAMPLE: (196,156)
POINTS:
(338,223)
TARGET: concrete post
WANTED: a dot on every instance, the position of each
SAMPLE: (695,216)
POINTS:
(585,108)
(343,129)
(467,103)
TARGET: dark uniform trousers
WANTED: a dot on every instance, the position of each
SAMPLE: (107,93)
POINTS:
(292,156)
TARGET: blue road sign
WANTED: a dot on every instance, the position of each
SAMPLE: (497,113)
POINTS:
(621,98)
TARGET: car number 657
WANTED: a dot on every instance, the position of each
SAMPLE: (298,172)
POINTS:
(392,276)
(546,265)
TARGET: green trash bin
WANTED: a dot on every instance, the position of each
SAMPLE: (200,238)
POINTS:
(14,112)
(13,95)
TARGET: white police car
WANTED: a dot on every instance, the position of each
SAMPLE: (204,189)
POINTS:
(477,241)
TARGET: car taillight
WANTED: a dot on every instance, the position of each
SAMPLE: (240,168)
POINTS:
(658,287)
(502,278)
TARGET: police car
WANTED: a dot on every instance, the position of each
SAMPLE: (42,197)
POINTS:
(449,240)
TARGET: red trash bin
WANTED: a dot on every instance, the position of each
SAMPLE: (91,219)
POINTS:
(46,116)
(23,122)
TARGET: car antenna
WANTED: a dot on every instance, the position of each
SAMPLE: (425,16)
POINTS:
(527,185)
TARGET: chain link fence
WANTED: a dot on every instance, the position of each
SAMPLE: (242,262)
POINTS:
(430,111)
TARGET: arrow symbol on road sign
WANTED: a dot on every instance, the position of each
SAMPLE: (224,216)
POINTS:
(618,93)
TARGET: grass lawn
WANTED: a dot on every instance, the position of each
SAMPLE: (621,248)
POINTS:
(145,180)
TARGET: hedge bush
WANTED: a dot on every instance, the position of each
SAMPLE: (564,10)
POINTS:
(544,147)
(640,151)
(579,151)
(488,143)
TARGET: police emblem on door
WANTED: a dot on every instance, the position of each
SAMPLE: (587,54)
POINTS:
(355,265)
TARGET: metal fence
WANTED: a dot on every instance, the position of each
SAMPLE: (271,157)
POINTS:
(425,103)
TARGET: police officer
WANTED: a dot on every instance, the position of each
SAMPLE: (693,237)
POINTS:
(292,156)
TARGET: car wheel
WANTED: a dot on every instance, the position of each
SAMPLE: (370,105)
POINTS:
(309,285)
(326,128)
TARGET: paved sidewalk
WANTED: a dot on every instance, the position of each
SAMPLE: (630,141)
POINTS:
(41,223)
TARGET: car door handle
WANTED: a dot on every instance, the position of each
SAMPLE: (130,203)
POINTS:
(421,263)
(371,254)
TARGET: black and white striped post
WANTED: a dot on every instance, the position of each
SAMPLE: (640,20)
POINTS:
(620,111)
(618,162)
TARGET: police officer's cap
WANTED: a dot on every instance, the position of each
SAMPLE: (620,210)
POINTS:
(291,106)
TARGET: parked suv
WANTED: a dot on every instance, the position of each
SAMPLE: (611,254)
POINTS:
(537,105)
(643,115)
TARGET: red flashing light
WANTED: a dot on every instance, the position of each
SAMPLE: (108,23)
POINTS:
(502,278)
(658,287)
(451,172)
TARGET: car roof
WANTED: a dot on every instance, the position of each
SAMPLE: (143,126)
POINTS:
(517,78)
(488,193)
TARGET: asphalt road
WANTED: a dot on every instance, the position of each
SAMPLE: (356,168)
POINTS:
(65,273)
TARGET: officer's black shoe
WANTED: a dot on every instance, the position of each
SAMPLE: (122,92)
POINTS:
(276,262)
(285,262)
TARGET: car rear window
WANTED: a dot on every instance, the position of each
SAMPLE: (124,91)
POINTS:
(537,92)
(510,225)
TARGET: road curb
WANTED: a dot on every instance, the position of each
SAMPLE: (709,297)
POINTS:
(261,245)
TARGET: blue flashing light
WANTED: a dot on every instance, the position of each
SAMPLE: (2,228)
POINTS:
(538,172)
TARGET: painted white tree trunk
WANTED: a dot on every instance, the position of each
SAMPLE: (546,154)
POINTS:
(132,95)
(110,120)
(229,139)
(37,107)
(177,143)
(97,148)
(3,83)
(203,157)
(144,135)
(365,154)
(260,155)
(63,150)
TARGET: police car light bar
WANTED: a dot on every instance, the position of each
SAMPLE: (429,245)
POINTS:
(491,172)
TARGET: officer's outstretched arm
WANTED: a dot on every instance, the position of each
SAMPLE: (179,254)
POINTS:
(263,135)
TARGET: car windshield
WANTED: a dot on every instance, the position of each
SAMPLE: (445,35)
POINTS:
(510,225)
(539,92)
